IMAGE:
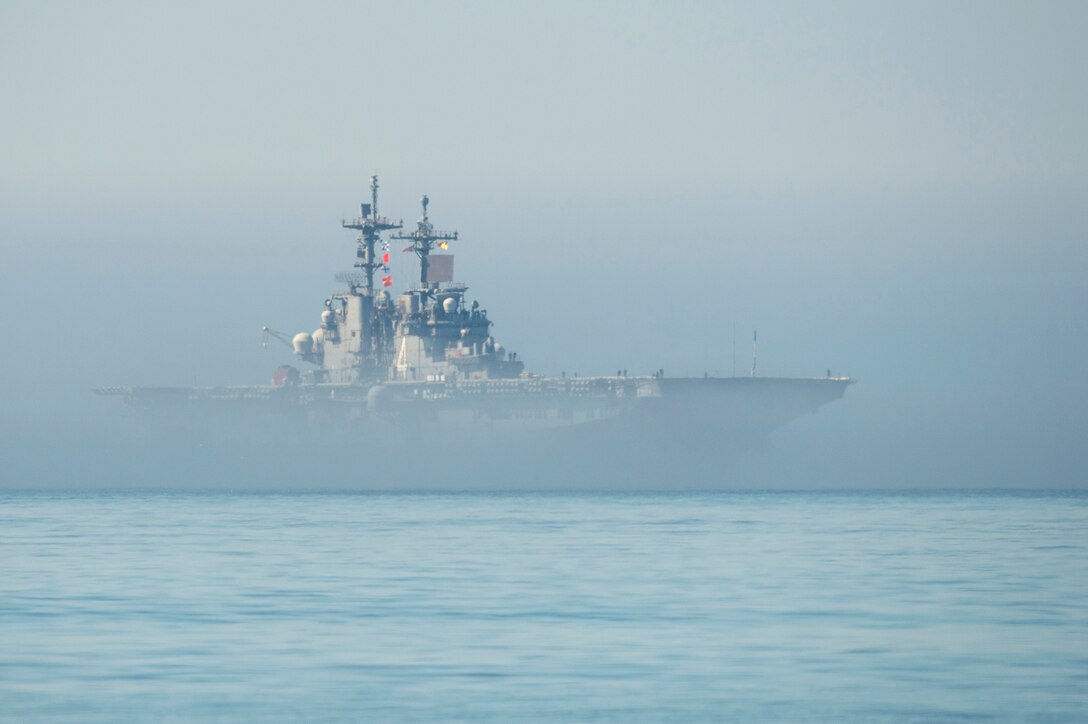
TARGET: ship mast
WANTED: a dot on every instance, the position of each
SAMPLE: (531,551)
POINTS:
(370,226)
(423,240)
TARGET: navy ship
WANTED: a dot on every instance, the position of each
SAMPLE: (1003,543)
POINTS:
(414,391)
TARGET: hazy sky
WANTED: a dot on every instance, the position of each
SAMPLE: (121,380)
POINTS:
(892,190)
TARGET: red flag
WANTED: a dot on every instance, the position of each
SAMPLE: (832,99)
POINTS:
(387,281)
(408,248)
(385,258)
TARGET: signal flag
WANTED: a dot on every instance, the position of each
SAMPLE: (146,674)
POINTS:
(387,281)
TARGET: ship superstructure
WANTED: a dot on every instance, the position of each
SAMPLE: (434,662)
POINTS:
(430,332)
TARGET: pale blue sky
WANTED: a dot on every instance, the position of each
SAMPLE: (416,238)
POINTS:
(596,98)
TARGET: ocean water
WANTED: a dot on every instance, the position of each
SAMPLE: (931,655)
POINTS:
(865,607)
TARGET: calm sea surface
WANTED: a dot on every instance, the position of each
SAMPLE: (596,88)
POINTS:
(738,606)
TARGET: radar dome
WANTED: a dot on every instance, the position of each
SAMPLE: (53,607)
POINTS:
(303,343)
(448,305)
(326,318)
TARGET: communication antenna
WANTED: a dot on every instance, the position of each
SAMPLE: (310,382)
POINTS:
(424,239)
(734,348)
(754,350)
(370,226)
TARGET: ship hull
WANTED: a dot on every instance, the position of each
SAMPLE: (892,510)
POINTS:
(588,434)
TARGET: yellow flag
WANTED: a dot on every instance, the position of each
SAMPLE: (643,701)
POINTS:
(443,245)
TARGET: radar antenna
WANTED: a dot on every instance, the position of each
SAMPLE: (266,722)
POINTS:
(370,226)
(423,240)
